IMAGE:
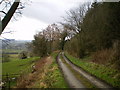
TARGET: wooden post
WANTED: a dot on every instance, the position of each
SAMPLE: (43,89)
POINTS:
(9,83)
(7,79)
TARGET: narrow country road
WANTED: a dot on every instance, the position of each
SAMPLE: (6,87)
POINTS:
(72,79)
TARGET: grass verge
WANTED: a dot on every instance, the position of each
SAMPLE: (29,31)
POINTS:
(58,77)
(105,73)
(52,76)
(83,80)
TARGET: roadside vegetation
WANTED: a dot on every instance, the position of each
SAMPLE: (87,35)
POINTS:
(52,77)
(57,74)
(96,39)
(46,75)
(78,76)
(106,73)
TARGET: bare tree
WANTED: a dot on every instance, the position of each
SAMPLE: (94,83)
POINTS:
(52,32)
(9,7)
(75,18)
(9,15)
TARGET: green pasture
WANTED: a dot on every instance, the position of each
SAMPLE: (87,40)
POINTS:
(17,66)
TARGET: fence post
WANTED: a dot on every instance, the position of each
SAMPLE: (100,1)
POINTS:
(8,81)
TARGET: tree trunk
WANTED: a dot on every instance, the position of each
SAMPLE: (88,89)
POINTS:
(9,15)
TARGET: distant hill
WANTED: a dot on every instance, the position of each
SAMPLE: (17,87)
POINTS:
(13,44)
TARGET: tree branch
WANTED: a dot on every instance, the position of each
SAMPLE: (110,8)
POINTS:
(3,12)
(9,15)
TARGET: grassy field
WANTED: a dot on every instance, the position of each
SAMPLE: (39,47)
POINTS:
(10,50)
(18,65)
(13,54)
(108,74)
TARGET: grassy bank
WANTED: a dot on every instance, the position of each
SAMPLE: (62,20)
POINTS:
(107,74)
(51,77)
(57,74)
(78,76)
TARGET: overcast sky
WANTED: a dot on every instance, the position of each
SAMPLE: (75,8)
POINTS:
(37,16)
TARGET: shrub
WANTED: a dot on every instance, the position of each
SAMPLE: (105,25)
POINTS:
(109,56)
(23,55)
(102,56)
(115,57)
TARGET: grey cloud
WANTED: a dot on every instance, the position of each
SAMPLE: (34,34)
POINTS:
(47,12)
(43,12)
